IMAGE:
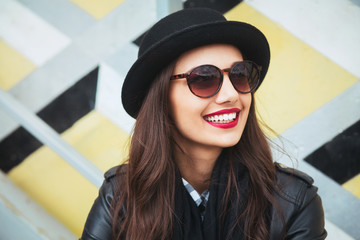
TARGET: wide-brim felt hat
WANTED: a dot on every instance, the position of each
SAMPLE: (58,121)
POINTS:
(182,31)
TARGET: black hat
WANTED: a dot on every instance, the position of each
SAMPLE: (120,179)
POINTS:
(180,32)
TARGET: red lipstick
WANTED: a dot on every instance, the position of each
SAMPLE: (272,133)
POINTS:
(224,125)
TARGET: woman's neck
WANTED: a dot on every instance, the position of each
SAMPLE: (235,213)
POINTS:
(196,166)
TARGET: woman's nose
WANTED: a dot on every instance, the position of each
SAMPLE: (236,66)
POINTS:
(227,91)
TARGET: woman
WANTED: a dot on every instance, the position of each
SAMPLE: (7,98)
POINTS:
(199,165)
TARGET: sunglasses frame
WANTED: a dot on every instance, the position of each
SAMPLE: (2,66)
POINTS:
(222,71)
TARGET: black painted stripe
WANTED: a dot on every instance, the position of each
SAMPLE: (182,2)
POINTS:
(340,157)
(60,114)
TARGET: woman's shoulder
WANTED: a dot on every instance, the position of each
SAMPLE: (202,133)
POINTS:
(112,176)
(300,205)
(293,185)
(114,171)
(99,221)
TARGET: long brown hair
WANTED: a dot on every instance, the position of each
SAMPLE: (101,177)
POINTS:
(144,202)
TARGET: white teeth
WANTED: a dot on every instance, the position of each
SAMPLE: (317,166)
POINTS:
(223,118)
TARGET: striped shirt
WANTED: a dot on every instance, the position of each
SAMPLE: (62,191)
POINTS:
(200,199)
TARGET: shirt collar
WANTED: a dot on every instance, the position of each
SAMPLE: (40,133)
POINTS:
(198,198)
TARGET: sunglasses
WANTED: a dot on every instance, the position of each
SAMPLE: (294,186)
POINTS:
(206,80)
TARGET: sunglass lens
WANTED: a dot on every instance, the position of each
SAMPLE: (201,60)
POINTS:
(204,81)
(244,76)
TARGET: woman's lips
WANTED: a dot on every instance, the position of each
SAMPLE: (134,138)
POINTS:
(226,118)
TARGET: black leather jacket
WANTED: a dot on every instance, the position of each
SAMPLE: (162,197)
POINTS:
(297,198)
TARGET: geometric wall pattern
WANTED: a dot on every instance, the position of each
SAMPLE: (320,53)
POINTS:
(65,61)
(340,157)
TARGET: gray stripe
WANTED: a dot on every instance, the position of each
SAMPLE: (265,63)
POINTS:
(64,15)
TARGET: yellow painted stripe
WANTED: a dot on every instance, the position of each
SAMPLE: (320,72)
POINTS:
(13,66)
(98,9)
(353,185)
(60,189)
(299,80)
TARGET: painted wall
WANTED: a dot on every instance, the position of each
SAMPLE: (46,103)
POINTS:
(65,60)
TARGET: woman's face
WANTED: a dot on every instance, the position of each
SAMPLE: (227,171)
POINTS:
(194,116)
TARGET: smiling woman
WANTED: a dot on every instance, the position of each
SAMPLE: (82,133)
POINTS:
(192,114)
(199,165)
